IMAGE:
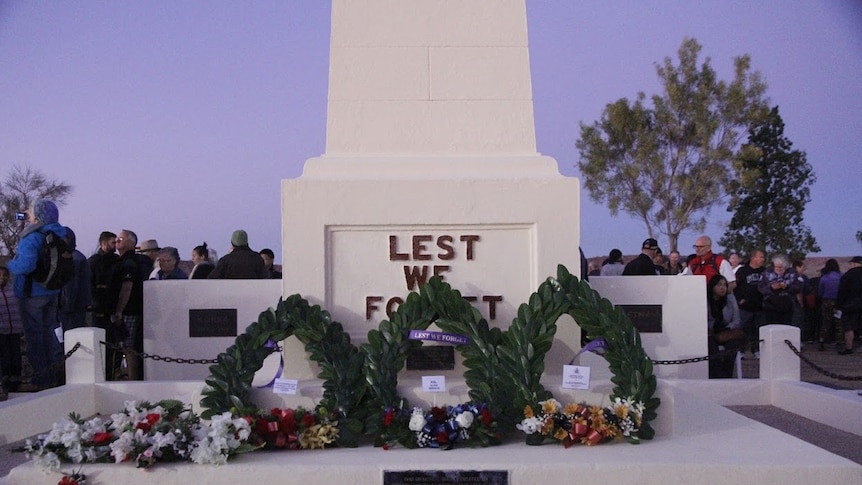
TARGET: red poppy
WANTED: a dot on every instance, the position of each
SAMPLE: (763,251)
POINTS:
(102,438)
(486,417)
(387,420)
(76,478)
(309,420)
(148,422)
(439,414)
(288,422)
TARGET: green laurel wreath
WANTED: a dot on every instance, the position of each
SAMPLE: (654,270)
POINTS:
(503,367)
(229,386)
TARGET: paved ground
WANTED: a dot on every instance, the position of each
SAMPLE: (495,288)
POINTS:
(847,368)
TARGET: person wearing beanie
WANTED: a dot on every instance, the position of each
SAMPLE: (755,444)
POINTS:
(76,296)
(239,238)
(241,263)
(38,305)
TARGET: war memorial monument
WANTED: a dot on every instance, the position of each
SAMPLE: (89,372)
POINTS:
(430,178)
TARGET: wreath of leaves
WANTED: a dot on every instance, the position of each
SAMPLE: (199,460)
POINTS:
(632,368)
(388,346)
(503,367)
(229,386)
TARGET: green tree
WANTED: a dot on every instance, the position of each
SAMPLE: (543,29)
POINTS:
(669,164)
(769,197)
(22,187)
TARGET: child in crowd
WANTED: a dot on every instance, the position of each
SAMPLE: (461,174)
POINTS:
(10,337)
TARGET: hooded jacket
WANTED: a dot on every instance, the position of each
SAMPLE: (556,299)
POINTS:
(27,253)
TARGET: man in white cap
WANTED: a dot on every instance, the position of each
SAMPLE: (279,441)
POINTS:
(241,263)
(149,248)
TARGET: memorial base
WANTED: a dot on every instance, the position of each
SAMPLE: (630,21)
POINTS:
(710,445)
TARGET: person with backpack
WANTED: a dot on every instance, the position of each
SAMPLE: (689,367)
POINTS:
(36,288)
(708,264)
(75,297)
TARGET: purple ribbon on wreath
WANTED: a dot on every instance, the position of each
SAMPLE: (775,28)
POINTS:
(596,344)
(273,346)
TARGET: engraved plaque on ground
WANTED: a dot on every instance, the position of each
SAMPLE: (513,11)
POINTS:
(645,318)
(212,323)
(447,477)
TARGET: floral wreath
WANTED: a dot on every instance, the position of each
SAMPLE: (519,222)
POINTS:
(229,386)
(360,387)
(503,367)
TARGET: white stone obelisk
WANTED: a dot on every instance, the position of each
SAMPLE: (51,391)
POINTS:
(430,168)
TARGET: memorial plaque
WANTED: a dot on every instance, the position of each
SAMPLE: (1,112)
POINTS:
(212,323)
(645,318)
(435,477)
(431,357)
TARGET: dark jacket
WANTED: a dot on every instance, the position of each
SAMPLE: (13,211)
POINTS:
(27,255)
(641,265)
(240,264)
(749,297)
(850,290)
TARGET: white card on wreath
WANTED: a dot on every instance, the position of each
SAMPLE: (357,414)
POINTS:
(285,386)
(434,383)
(576,377)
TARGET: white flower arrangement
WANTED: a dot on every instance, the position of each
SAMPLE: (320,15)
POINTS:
(145,433)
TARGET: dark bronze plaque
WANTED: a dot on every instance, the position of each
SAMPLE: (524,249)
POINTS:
(212,323)
(447,477)
(645,318)
(432,357)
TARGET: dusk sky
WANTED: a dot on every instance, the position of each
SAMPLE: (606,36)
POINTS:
(178,119)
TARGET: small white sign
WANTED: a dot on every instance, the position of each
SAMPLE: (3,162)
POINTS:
(576,377)
(285,386)
(58,332)
(434,383)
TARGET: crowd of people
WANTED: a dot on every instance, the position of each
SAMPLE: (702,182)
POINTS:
(744,295)
(106,291)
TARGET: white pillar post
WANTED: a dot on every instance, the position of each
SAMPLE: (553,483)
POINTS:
(777,361)
(87,364)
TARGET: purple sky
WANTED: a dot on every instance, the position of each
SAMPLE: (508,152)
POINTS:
(179,119)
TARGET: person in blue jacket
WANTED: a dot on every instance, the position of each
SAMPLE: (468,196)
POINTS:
(39,305)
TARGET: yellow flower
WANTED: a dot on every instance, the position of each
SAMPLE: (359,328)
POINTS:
(528,411)
(550,406)
(621,410)
(570,409)
(547,426)
(318,436)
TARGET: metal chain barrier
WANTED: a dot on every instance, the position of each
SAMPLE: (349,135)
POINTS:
(174,360)
(695,359)
(818,368)
(55,367)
